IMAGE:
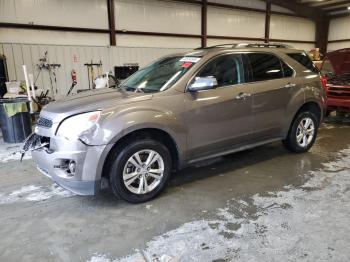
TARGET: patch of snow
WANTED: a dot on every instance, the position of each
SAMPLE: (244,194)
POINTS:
(34,193)
(11,152)
(99,258)
(307,223)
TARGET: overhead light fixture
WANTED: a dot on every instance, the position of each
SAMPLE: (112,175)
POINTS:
(348,7)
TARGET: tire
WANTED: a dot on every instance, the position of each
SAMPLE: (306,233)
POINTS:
(304,145)
(123,167)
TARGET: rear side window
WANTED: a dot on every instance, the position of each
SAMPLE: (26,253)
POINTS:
(304,60)
(265,67)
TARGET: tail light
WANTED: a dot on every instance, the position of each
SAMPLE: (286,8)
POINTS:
(324,83)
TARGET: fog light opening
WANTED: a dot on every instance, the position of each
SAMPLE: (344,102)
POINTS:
(72,167)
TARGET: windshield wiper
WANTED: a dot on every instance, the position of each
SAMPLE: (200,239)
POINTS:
(133,89)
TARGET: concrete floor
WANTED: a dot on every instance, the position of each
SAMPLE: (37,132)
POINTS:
(264,204)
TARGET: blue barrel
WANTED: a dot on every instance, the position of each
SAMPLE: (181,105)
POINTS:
(17,127)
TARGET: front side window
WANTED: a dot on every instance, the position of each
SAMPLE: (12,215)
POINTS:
(265,66)
(160,75)
(227,70)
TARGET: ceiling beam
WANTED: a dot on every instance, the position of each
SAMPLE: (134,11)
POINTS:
(334,4)
(300,9)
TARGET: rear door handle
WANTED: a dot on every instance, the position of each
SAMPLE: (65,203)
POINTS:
(242,96)
(289,85)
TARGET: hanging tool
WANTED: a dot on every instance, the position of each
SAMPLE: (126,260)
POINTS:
(91,72)
(51,69)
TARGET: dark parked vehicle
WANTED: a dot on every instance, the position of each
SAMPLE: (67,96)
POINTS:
(179,110)
(336,68)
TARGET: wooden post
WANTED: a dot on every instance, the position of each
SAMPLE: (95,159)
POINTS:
(322,29)
(111,22)
(267,21)
(204,23)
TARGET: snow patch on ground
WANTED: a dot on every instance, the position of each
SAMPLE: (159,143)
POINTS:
(11,152)
(34,193)
(307,223)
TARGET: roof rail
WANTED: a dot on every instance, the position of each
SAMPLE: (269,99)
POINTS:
(249,45)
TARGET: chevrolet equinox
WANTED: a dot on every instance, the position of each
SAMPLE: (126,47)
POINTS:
(180,109)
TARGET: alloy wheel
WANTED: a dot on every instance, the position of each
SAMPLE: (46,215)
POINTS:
(143,171)
(305,132)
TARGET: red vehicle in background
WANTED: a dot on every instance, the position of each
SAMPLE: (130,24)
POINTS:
(336,70)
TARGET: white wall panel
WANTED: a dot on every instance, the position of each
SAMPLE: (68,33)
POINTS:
(158,16)
(75,13)
(211,42)
(336,46)
(302,46)
(142,56)
(339,29)
(157,41)
(292,28)
(29,36)
(235,23)
(258,4)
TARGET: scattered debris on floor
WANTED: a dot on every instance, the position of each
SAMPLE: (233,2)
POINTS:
(307,223)
(33,193)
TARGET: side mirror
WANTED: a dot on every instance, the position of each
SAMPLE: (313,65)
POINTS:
(203,83)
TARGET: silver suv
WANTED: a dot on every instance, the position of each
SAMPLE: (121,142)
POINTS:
(179,110)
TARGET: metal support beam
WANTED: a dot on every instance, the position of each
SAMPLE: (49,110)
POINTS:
(321,38)
(204,23)
(111,23)
(267,21)
(299,9)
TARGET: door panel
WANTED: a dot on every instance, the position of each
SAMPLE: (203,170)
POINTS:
(270,100)
(272,86)
(217,120)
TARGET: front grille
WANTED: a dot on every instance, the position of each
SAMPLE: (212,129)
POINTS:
(44,122)
(341,92)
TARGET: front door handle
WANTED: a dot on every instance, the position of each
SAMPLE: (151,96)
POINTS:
(290,85)
(242,96)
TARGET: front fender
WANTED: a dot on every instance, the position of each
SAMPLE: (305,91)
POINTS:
(115,126)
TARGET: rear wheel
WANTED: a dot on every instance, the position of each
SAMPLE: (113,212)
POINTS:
(140,171)
(303,132)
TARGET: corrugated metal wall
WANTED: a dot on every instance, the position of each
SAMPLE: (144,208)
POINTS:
(339,29)
(74,57)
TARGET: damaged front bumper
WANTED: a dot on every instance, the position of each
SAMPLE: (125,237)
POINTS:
(71,164)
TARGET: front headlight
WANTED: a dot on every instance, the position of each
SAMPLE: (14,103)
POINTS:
(79,126)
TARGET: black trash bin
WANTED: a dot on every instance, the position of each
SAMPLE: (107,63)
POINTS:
(16,128)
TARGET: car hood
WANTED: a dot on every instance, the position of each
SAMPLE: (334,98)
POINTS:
(96,99)
(340,61)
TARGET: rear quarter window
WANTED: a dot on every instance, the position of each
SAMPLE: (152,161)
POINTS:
(304,60)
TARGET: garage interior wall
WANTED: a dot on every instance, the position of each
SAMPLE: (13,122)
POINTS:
(73,49)
(339,29)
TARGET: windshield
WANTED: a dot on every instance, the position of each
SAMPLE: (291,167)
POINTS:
(160,75)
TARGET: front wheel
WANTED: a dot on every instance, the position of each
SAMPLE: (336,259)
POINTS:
(302,134)
(140,171)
